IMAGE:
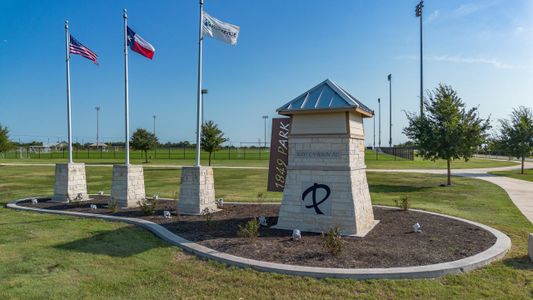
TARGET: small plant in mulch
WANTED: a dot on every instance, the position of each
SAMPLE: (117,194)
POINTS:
(332,241)
(112,204)
(147,206)
(250,230)
(403,203)
(208,214)
(261,197)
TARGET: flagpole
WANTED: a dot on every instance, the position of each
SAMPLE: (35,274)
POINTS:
(126,94)
(69,121)
(199,92)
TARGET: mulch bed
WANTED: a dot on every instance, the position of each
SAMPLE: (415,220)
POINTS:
(392,243)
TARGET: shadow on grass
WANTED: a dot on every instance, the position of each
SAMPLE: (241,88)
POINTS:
(123,242)
(385,188)
(519,263)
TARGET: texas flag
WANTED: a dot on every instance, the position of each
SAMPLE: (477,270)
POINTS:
(139,45)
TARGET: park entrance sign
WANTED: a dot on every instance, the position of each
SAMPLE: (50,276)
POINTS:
(326,183)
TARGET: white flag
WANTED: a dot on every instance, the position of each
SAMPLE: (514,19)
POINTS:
(219,30)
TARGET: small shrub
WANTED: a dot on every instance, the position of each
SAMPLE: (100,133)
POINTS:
(112,204)
(208,214)
(250,230)
(332,241)
(261,197)
(147,206)
(402,203)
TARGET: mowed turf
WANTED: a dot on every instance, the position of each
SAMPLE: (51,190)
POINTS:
(528,174)
(373,161)
(47,256)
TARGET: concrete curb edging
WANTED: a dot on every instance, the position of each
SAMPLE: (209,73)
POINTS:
(496,252)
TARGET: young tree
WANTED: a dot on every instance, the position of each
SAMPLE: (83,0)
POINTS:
(5,143)
(448,131)
(212,138)
(143,140)
(516,134)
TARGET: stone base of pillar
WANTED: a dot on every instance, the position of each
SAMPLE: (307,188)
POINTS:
(127,185)
(70,183)
(197,191)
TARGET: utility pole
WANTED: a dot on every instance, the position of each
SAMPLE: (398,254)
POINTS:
(390,109)
(97,126)
(418,11)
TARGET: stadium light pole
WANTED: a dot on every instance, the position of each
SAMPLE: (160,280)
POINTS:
(389,78)
(379,113)
(154,116)
(418,11)
(265,118)
(97,126)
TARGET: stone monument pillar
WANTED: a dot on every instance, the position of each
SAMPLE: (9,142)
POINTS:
(326,183)
(197,190)
(128,185)
(70,183)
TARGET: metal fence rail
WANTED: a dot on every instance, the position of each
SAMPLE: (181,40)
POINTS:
(405,153)
(117,153)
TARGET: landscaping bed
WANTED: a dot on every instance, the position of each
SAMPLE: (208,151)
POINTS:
(392,243)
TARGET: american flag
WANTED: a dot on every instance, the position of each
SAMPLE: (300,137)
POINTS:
(78,48)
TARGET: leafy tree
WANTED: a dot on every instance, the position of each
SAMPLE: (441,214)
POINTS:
(212,138)
(5,143)
(448,131)
(516,134)
(143,140)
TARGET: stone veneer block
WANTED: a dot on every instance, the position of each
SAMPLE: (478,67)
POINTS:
(70,183)
(530,246)
(197,190)
(128,185)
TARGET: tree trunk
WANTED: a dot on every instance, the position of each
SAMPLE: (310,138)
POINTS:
(210,158)
(146,156)
(522,168)
(449,172)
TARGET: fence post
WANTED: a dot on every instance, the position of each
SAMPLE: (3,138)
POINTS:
(244,157)
(229,153)
(101,150)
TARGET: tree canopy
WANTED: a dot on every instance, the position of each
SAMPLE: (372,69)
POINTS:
(5,143)
(212,138)
(516,134)
(448,130)
(143,140)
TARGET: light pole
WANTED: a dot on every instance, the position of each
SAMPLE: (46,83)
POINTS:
(379,113)
(154,116)
(204,92)
(265,118)
(97,126)
(390,109)
(418,12)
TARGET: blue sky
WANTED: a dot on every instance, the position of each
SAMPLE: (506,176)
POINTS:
(484,49)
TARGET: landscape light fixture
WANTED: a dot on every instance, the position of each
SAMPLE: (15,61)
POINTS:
(418,12)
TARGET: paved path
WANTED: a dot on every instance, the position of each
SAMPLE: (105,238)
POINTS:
(520,191)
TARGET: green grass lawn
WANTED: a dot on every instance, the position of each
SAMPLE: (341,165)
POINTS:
(47,256)
(382,161)
(528,174)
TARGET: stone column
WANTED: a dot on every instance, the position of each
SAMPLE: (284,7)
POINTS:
(128,185)
(70,183)
(197,190)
